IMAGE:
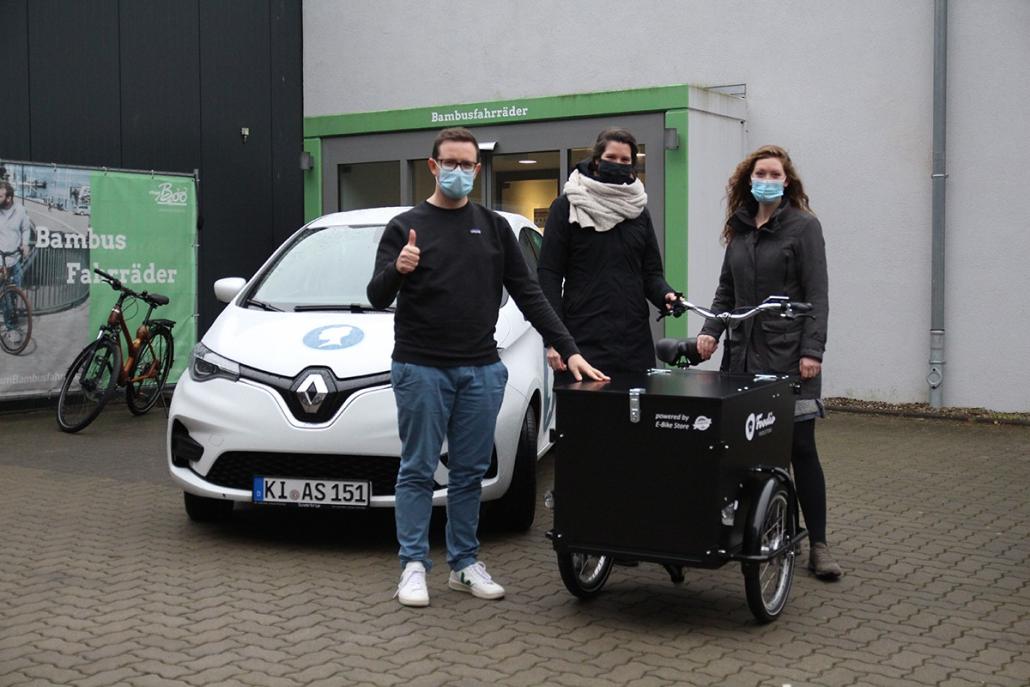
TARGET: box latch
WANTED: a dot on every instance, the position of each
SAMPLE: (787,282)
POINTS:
(634,404)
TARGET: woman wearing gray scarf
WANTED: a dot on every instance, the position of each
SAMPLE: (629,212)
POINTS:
(599,264)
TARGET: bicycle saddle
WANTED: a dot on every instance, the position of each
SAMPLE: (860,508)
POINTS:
(671,350)
(157,299)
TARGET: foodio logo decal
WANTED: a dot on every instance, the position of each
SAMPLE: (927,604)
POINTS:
(760,424)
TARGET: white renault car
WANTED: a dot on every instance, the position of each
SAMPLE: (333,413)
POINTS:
(287,400)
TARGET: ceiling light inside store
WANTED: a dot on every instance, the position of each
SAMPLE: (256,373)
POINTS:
(527,162)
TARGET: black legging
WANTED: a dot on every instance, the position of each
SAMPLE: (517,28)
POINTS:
(808,477)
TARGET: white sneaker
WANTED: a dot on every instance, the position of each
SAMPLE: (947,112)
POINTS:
(475,580)
(412,589)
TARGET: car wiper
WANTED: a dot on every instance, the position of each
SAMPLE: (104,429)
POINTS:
(349,307)
(262,305)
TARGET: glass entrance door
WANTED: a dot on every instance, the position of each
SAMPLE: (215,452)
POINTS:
(526,183)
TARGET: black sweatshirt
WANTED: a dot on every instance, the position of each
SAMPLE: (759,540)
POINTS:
(447,307)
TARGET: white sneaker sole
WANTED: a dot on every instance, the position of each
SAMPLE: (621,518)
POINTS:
(459,587)
(414,603)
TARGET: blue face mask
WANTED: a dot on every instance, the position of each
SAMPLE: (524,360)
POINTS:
(456,184)
(766,191)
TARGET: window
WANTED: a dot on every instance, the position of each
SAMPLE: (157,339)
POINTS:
(370,185)
(530,241)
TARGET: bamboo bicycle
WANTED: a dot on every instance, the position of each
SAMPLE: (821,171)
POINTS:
(16,322)
(100,368)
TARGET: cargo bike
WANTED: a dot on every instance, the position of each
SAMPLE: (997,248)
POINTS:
(683,468)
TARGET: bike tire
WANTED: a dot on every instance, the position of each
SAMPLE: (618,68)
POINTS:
(95,371)
(15,339)
(584,574)
(768,584)
(141,396)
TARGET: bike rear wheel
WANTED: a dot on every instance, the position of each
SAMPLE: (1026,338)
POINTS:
(16,321)
(88,385)
(147,377)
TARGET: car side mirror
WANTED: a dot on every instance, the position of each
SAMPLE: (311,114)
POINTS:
(227,288)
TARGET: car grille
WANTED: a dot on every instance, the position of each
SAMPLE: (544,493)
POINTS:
(237,469)
(338,390)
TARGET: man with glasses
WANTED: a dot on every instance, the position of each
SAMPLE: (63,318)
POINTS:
(446,261)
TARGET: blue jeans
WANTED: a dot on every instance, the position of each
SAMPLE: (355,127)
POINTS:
(14,277)
(461,405)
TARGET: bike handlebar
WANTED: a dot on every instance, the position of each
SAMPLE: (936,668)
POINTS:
(786,307)
(115,283)
(154,299)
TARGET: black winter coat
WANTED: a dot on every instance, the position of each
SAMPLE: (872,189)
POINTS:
(785,257)
(609,276)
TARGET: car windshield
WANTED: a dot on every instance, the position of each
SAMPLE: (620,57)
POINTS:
(325,267)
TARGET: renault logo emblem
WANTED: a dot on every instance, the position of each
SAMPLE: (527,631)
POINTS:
(312,392)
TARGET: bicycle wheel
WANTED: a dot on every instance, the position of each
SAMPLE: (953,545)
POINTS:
(16,324)
(88,384)
(768,584)
(584,574)
(148,375)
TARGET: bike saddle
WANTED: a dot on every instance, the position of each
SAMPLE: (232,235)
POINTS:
(671,350)
(157,299)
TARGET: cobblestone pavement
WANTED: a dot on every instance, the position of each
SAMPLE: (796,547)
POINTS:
(104,581)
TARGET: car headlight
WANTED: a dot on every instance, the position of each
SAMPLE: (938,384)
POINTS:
(205,364)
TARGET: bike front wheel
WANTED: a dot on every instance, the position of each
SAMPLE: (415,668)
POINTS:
(768,584)
(147,377)
(584,574)
(16,324)
(88,385)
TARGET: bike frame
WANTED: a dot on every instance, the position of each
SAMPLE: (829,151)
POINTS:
(116,325)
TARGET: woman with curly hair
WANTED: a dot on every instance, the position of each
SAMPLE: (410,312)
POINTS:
(774,247)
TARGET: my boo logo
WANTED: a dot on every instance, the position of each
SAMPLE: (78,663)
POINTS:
(760,423)
(166,195)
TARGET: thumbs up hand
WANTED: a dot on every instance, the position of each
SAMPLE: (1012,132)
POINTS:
(407,261)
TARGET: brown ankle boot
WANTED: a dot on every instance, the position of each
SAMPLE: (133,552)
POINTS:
(822,564)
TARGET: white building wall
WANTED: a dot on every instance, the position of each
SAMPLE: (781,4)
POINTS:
(845,86)
(713,142)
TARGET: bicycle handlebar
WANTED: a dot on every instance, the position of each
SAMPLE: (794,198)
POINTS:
(786,307)
(154,299)
(115,283)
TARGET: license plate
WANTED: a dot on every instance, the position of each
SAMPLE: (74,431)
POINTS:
(311,492)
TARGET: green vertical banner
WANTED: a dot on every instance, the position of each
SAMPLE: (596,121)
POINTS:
(144,233)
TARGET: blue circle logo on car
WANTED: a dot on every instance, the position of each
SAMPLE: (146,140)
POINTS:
(333,337)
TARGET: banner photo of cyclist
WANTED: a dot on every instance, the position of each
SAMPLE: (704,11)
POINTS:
(56,225)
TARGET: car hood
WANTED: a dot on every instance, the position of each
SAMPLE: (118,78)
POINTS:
(284,343)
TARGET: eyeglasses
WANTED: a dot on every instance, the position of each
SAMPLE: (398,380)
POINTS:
(451,165)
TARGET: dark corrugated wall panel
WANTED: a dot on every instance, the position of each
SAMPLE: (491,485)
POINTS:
(75,97)
(146,84)
(236,181)
(287,116)
(14,101)
(160,75)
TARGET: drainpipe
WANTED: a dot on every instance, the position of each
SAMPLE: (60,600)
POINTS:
(940,90)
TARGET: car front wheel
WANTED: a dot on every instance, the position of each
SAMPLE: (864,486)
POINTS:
(516,510)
